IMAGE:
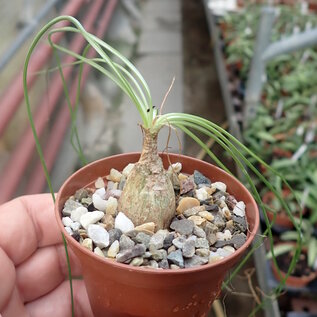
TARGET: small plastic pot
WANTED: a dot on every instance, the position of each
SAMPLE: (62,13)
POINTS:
(119,290)
(294,281)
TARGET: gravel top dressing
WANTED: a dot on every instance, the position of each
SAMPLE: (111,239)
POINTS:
(209,223)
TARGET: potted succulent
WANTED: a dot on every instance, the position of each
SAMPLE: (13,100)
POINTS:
(148,198)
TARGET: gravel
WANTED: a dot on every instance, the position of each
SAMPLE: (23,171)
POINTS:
(209,223)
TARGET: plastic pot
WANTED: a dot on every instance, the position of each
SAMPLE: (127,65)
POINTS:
(294,281)
(118,290)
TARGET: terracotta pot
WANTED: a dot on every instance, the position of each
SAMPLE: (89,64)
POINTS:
(294,281)
(119,290)
(281,217)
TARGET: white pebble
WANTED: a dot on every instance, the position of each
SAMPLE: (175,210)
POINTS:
(75,226)
(99,183)
(114,249)
(126,171)
(77,213)
(214,256)
(98,202)
(229,248)
(99,252)
(176,167)
(116,193)
(67,221)
(223,252)
(98,235)
(112,185)
(239,209)
(114,175)
(101,192)
(123,223)
(220,186)
(202,194)
(69,230)
(224,236)
(90,218)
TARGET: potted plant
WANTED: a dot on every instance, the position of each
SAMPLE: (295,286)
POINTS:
(305,269)
(276,213)
(117,289)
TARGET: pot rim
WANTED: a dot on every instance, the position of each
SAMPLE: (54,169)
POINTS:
(143,270)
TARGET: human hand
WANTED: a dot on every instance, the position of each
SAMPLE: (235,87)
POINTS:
(33,267)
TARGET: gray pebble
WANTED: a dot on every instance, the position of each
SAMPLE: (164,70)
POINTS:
(128,254)
(240,223)
(126,243)
(238,240)
(201,243)
(189,248)
(168,241)
(142,237)
(199,232)
(199,178)
(69,206)
(157,240)
(114,234)
(163,264)
(218,194)
(219,221)
(212,207)
(176,257)
(179,242)
(193,211)
(195,260)
(159,255)
(183,226)
(81,193)
(222,243)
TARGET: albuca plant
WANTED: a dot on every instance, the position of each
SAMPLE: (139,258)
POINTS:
(148,194)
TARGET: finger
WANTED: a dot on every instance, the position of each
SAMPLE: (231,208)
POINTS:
(44,306)
(29,222)
(7,278)
(44,271)
(15,306)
